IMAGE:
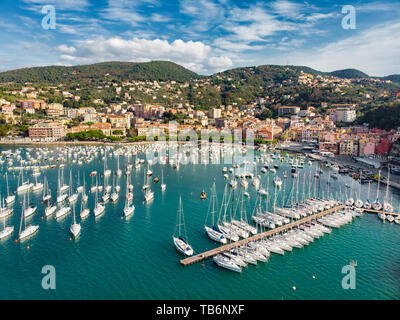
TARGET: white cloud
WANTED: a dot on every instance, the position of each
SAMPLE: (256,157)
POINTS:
(205,13)
(193,55)
(65,49)
(374,51)
(287,9)
(75,5)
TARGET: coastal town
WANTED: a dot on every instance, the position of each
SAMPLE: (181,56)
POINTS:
(334,132)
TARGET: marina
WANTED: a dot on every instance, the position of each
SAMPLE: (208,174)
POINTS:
(139,235)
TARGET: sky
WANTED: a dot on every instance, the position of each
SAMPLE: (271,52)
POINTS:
(206,36)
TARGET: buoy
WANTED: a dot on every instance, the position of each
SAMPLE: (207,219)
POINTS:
(27,248)
(313,277)
(294,288)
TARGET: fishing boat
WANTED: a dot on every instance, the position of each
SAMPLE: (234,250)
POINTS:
(180,242)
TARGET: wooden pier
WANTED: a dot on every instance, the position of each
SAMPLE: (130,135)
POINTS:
(227,247)
(377,212)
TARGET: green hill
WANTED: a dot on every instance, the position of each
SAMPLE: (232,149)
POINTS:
(348,74)
(393,78)
(155,70)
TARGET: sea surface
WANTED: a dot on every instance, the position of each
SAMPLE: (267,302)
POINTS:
(116,258)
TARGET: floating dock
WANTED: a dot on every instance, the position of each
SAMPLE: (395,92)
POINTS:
(208,254)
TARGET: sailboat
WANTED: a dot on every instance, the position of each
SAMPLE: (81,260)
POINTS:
(99,208)
(30,210)
(27,231)
(46,191)
(84,195)
(79,188)
(63,187)
(49,210)
(72,197)
(129,207)
(7,231)
(38,186)
(114,195)
(181,244)
(107,172)
(85,211)
(10,198)
(149,195)
(213,232)
(367,204)
(25,185)
(61,197)
(119,171)
(75,227)
(387,207)
(163,185)
(376,205)
(359,203)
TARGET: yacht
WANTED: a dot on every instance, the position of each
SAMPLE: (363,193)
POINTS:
(227,263)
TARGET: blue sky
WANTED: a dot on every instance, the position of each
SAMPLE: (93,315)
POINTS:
(205,36)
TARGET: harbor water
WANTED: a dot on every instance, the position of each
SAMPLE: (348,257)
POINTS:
(134,258)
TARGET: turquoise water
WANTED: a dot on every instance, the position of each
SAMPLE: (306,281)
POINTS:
(115,258)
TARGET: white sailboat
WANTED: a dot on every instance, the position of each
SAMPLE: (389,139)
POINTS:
(119,171)
(61,197)
(213,232)
(25,185)
(129,208)
(30,210)
(376,205)
(46,191)
(10,198)
(6,232)
(38,186)
(163,185)
(114,195)
(99,208)
(85,211)
(387,206)
(75,227)
(27,231)
(72,197)
(181,243)
(149,195)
